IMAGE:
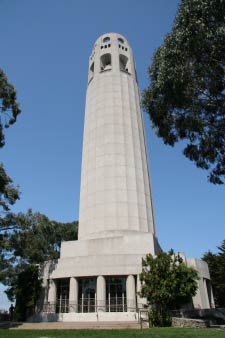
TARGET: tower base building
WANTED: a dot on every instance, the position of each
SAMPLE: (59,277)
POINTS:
(97,276)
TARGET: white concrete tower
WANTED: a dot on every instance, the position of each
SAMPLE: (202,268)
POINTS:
(116,225)
(97,276)
(115,195)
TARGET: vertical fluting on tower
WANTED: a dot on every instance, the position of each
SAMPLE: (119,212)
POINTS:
(115,196)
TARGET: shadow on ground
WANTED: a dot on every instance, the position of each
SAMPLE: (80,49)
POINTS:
(9,325)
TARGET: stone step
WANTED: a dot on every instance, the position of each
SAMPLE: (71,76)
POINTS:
(77,326)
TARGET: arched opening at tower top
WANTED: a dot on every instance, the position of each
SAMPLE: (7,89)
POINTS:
(106,62)
(124,63)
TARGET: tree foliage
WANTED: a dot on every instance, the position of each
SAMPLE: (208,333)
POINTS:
(186,96)
(32,239)
(167,282)
(9,110)
(8,193)
(9,107)
(216,264)
(27,292)
(8,196)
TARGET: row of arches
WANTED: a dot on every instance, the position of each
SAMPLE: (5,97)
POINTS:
(107,39)
(106,64)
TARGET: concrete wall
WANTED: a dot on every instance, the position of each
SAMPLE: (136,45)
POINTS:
(192,323)
(204,297)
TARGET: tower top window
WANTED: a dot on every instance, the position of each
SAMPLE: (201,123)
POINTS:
(120,40)
(106,39)
(106,62)
(124,63)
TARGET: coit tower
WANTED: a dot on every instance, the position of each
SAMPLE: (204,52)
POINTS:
(98,274)
(115,195)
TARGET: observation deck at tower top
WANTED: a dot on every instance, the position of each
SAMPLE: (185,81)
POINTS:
(111,51)
(109,38)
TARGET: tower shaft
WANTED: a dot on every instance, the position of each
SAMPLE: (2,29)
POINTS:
(115,196)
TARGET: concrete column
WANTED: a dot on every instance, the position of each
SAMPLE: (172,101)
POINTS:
(207,303)
(101,293)
(45,290)
(52,295)
(73,295)
(131,293)
(212,297)
(43,299)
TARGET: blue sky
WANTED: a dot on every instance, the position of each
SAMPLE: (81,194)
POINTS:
(45,46)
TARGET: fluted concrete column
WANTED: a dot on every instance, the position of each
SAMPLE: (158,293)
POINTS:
(73,295)
(101,293)
(131,293)
(52,295)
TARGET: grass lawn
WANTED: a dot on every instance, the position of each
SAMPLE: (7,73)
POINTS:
(151,333)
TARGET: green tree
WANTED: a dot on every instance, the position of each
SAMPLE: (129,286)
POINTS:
(9,110)
(37,239)
(8,196)
(8,193)
(31,240)
(186,96)
(167,283)
(9,107)
(216,264)
(27,292)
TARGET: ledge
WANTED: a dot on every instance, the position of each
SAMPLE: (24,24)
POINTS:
(189,322)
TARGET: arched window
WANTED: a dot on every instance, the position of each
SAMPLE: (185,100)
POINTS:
(106,62)
(124,64)
(106,39)
(120,40)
